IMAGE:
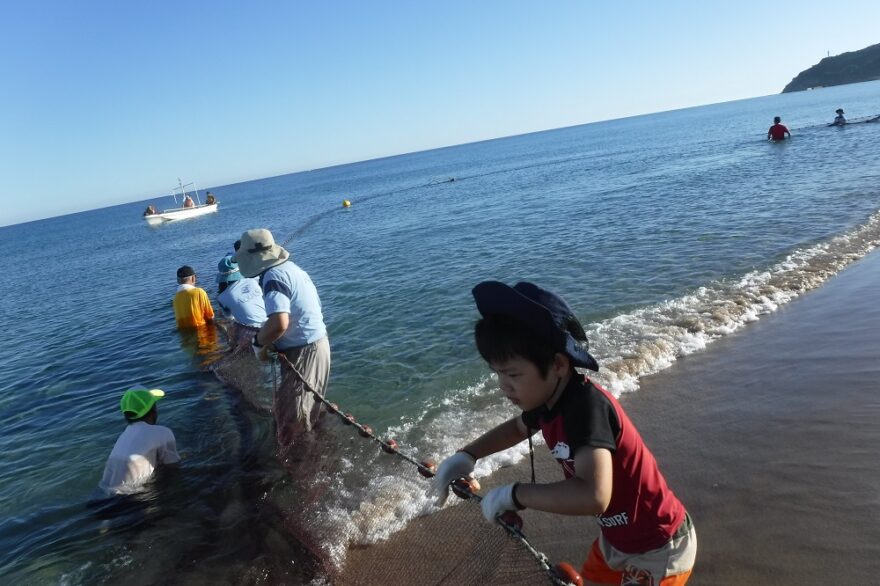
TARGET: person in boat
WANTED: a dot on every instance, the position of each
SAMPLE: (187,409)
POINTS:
(150,211)
(210,199)
(532,341)
(141,447)
(294,327)
(192,308)
(840,119)
(778,131)
(188,202)
(241,300)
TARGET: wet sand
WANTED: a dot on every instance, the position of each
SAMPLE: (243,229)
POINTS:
(770,438)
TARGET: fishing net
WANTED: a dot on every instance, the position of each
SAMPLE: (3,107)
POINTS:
(356,504)
(456,548)
(238,367)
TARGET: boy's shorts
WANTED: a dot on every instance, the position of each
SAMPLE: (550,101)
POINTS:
(669,565)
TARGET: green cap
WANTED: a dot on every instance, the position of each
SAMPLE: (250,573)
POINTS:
(139,400)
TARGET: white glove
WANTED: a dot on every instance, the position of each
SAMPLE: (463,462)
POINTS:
(263,353)
(458,465)
(497,501)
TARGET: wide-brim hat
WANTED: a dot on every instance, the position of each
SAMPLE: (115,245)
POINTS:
(258,252)
(839,111)
(228,270)
(138,400)
(544,312)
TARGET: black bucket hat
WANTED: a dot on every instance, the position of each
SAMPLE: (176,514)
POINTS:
(546,313)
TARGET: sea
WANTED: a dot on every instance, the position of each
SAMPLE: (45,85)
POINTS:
(664,232)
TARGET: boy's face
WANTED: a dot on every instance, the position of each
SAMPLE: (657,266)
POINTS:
(522,383)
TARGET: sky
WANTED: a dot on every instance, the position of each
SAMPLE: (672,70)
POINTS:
(108,102)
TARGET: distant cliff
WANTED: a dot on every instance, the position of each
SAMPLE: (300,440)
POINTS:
(863,65)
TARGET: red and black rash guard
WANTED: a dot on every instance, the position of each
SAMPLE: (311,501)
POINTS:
(643,513)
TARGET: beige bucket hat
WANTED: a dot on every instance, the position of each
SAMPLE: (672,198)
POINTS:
(258,252)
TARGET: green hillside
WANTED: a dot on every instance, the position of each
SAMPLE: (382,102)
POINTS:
(853,67)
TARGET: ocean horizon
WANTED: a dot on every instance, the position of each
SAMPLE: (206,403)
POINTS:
(202,190)
(665,232)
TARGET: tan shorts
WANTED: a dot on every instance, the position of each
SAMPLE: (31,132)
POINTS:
(296,410)
(668,565)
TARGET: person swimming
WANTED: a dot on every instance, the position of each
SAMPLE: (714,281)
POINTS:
(840,119)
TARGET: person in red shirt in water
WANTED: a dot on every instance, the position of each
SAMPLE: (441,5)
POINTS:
(778,130)
(532,341)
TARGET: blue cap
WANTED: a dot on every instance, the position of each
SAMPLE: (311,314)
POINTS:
(227,270)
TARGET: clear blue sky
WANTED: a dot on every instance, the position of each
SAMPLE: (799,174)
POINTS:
(109,102)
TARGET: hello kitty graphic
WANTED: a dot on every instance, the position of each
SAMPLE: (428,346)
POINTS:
(561,451)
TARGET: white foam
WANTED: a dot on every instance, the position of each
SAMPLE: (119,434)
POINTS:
(628,346)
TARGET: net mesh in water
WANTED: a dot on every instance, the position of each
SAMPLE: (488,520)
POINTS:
(362,541)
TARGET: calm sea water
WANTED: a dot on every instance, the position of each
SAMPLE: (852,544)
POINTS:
(663,231)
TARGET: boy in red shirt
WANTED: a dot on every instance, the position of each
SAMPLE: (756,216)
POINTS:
(532,341)
(778,130)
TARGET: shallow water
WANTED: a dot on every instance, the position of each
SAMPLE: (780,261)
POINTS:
(664,232)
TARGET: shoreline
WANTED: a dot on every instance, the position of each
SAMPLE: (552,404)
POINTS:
(768,437)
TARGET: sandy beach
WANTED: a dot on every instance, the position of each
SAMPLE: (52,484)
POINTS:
(769,437)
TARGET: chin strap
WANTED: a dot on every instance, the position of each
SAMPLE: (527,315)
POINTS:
(529,431)
(532,456)
(553,396)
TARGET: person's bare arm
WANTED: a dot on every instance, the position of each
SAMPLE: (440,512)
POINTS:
(274,328)
(587,493)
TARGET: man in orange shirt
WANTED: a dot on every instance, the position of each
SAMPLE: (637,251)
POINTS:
(192,308)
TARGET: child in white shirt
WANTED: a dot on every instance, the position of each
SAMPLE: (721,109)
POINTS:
(141,447)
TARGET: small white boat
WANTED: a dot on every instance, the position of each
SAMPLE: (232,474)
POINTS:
(186,206)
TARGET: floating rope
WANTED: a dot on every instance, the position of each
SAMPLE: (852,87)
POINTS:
(561,574)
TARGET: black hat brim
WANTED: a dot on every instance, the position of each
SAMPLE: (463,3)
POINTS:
(495,297)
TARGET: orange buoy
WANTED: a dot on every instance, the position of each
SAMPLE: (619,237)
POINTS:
(465,488)
(347,418)
(565,571)
(512,519)
(389,446)
(365,431)
(428,467)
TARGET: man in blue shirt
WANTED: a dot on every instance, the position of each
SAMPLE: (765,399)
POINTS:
(294,327)
(240,299)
